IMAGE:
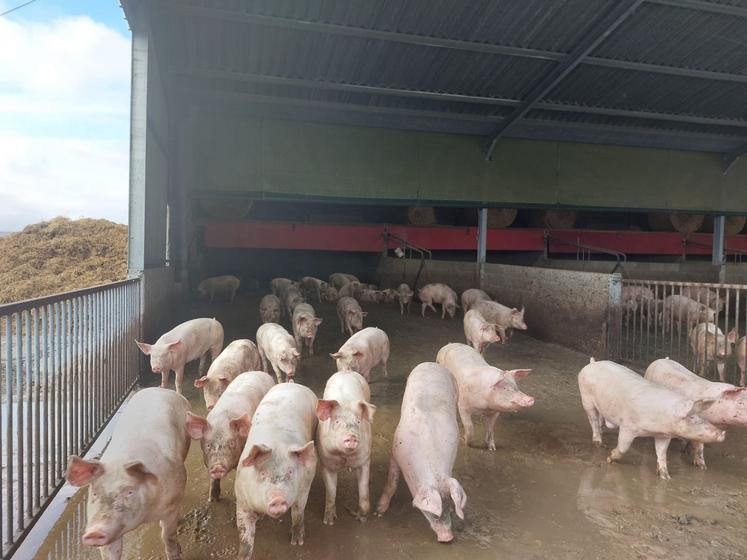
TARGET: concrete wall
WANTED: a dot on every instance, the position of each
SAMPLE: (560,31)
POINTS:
(459,275)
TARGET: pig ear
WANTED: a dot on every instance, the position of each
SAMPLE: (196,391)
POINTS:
(701,405)
(367,410)
(733,393)
(497,375)
(428,500)
(175,345)
(515,311)
(335,355)
(317,321)
(201,381)
(241,424)
(196,426)
(458,496)
(304,454)
(257,454)
(324,409)
(137,470)
(145,347)
(519,373)
(357,353)
(81,472)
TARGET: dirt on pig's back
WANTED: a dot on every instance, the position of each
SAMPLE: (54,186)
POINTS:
(546,492)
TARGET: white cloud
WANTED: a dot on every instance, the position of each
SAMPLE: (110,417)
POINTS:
(64,109)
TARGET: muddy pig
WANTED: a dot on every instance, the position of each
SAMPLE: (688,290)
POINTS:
(218,284)
(140,478)
(241,355)
(425,448)
(223,433)
(438,293)
(404,296)
(278,463)
(305,325)
(343,437)
(507,318)
(350,314)
(280,285)
(472,296)
(363,351)
(293,297)
(339,279)
(311,286)
(278,347)
(184,343)
(709,344)
(478,332)
(330,293)
(270,309)
(483,389)
(614,395)
(730,402)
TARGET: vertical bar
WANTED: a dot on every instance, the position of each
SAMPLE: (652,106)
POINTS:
(37,412)
(20,426)
(48,434)
(718,257)
(9,447)
(65,379)
(75,352)
(3,401)
(482,235)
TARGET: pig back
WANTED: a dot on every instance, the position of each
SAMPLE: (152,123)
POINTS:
(286,415)
(240,355)
(197,336)
(459,358)
(243,393)
(673,375)
(493,312)
(347,386)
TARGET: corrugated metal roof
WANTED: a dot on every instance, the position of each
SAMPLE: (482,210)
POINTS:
(668,62)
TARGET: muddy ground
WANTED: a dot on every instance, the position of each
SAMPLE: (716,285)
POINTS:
(545,493)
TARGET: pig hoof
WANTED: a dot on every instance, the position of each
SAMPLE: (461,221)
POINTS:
(359,515)
(664,475)
(598,443)
(699,464)
(329,518)
(297,540)
(491,447)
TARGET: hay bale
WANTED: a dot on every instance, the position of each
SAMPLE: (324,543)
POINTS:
(421,215)
(226,208)
(497,217)
(553,219)
(682,222)
(733,225)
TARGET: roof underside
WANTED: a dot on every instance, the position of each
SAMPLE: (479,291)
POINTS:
(656,73)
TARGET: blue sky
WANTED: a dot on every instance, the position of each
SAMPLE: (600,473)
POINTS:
(64,111)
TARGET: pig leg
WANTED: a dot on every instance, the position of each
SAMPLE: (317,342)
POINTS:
(350,329)
(178,377)
(299,343)
(311,345)
(401,308)
(278,372)
(214,492)
(297,514)
(443,311)
(112,551)
(263,358)
(469,427)
(624,441)
(330,484)
(720,368)
(389,488)
(695,450)
(342,324)
(662,444)
(741,376)
(165,378)
(490,430)
(246,521)
(422,310)
(363,473)
(168,535)
(214,351)
(595,420)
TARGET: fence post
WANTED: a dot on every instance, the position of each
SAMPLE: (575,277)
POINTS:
(614,317)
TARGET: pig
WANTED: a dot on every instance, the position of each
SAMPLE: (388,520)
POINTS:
(305,325)
(478,332)
(184,343)
(293,297)
(312,287)
(507,318)
(681,309)
(223,433)
(390,295)
(141,477)
(270,309)
(438,293)
(218,284)
(371,296)
(483,389)
(368,286)
(425,448)
(240,355)
(472,296)
(278,347)
(730,402)
(343,437)
(280,285)
(614,395)
(330,293)
(339,279)
(404,296)
(363,351)
(278,463)
(634,298)
(704,295)
(709,344)
(741,352)
(350,314)
(351,289)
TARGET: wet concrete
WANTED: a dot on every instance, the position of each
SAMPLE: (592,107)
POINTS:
(547,492)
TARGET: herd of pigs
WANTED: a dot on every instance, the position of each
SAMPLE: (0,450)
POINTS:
(275,434)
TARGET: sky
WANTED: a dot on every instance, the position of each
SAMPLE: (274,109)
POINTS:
(64,111)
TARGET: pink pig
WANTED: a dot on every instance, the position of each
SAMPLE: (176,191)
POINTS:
(364,351)
(438,293)
(478,332)
(241,355)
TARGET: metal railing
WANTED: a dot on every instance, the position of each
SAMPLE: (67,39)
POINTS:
(584,250)
(698,324)
(66,363)
(406,250)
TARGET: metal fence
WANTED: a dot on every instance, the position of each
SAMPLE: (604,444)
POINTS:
(66,363)
(699,325)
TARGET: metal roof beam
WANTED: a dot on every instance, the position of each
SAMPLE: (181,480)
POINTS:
(702,6)
(609,22)
(439,42)
(456,97)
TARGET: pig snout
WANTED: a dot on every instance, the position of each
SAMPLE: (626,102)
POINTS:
(350,442)
(444,535)
(524,400)
(156,369)
(97,535)
(277,506)
(217,472)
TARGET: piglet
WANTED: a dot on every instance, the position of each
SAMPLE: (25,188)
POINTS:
(278,463)
(507,318)
(484,390)
(363,351)
(339,279)
(217,285)
(728,409)
(472,296)
(240,355)
(478,332)
(614,395)
(223,433)
(278,347)
(425,448)
(185,342)
(350,314)
(270,309)
(709,344)
(438,293)
(141,477)
(404,296)
(305,325)
(343,437)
